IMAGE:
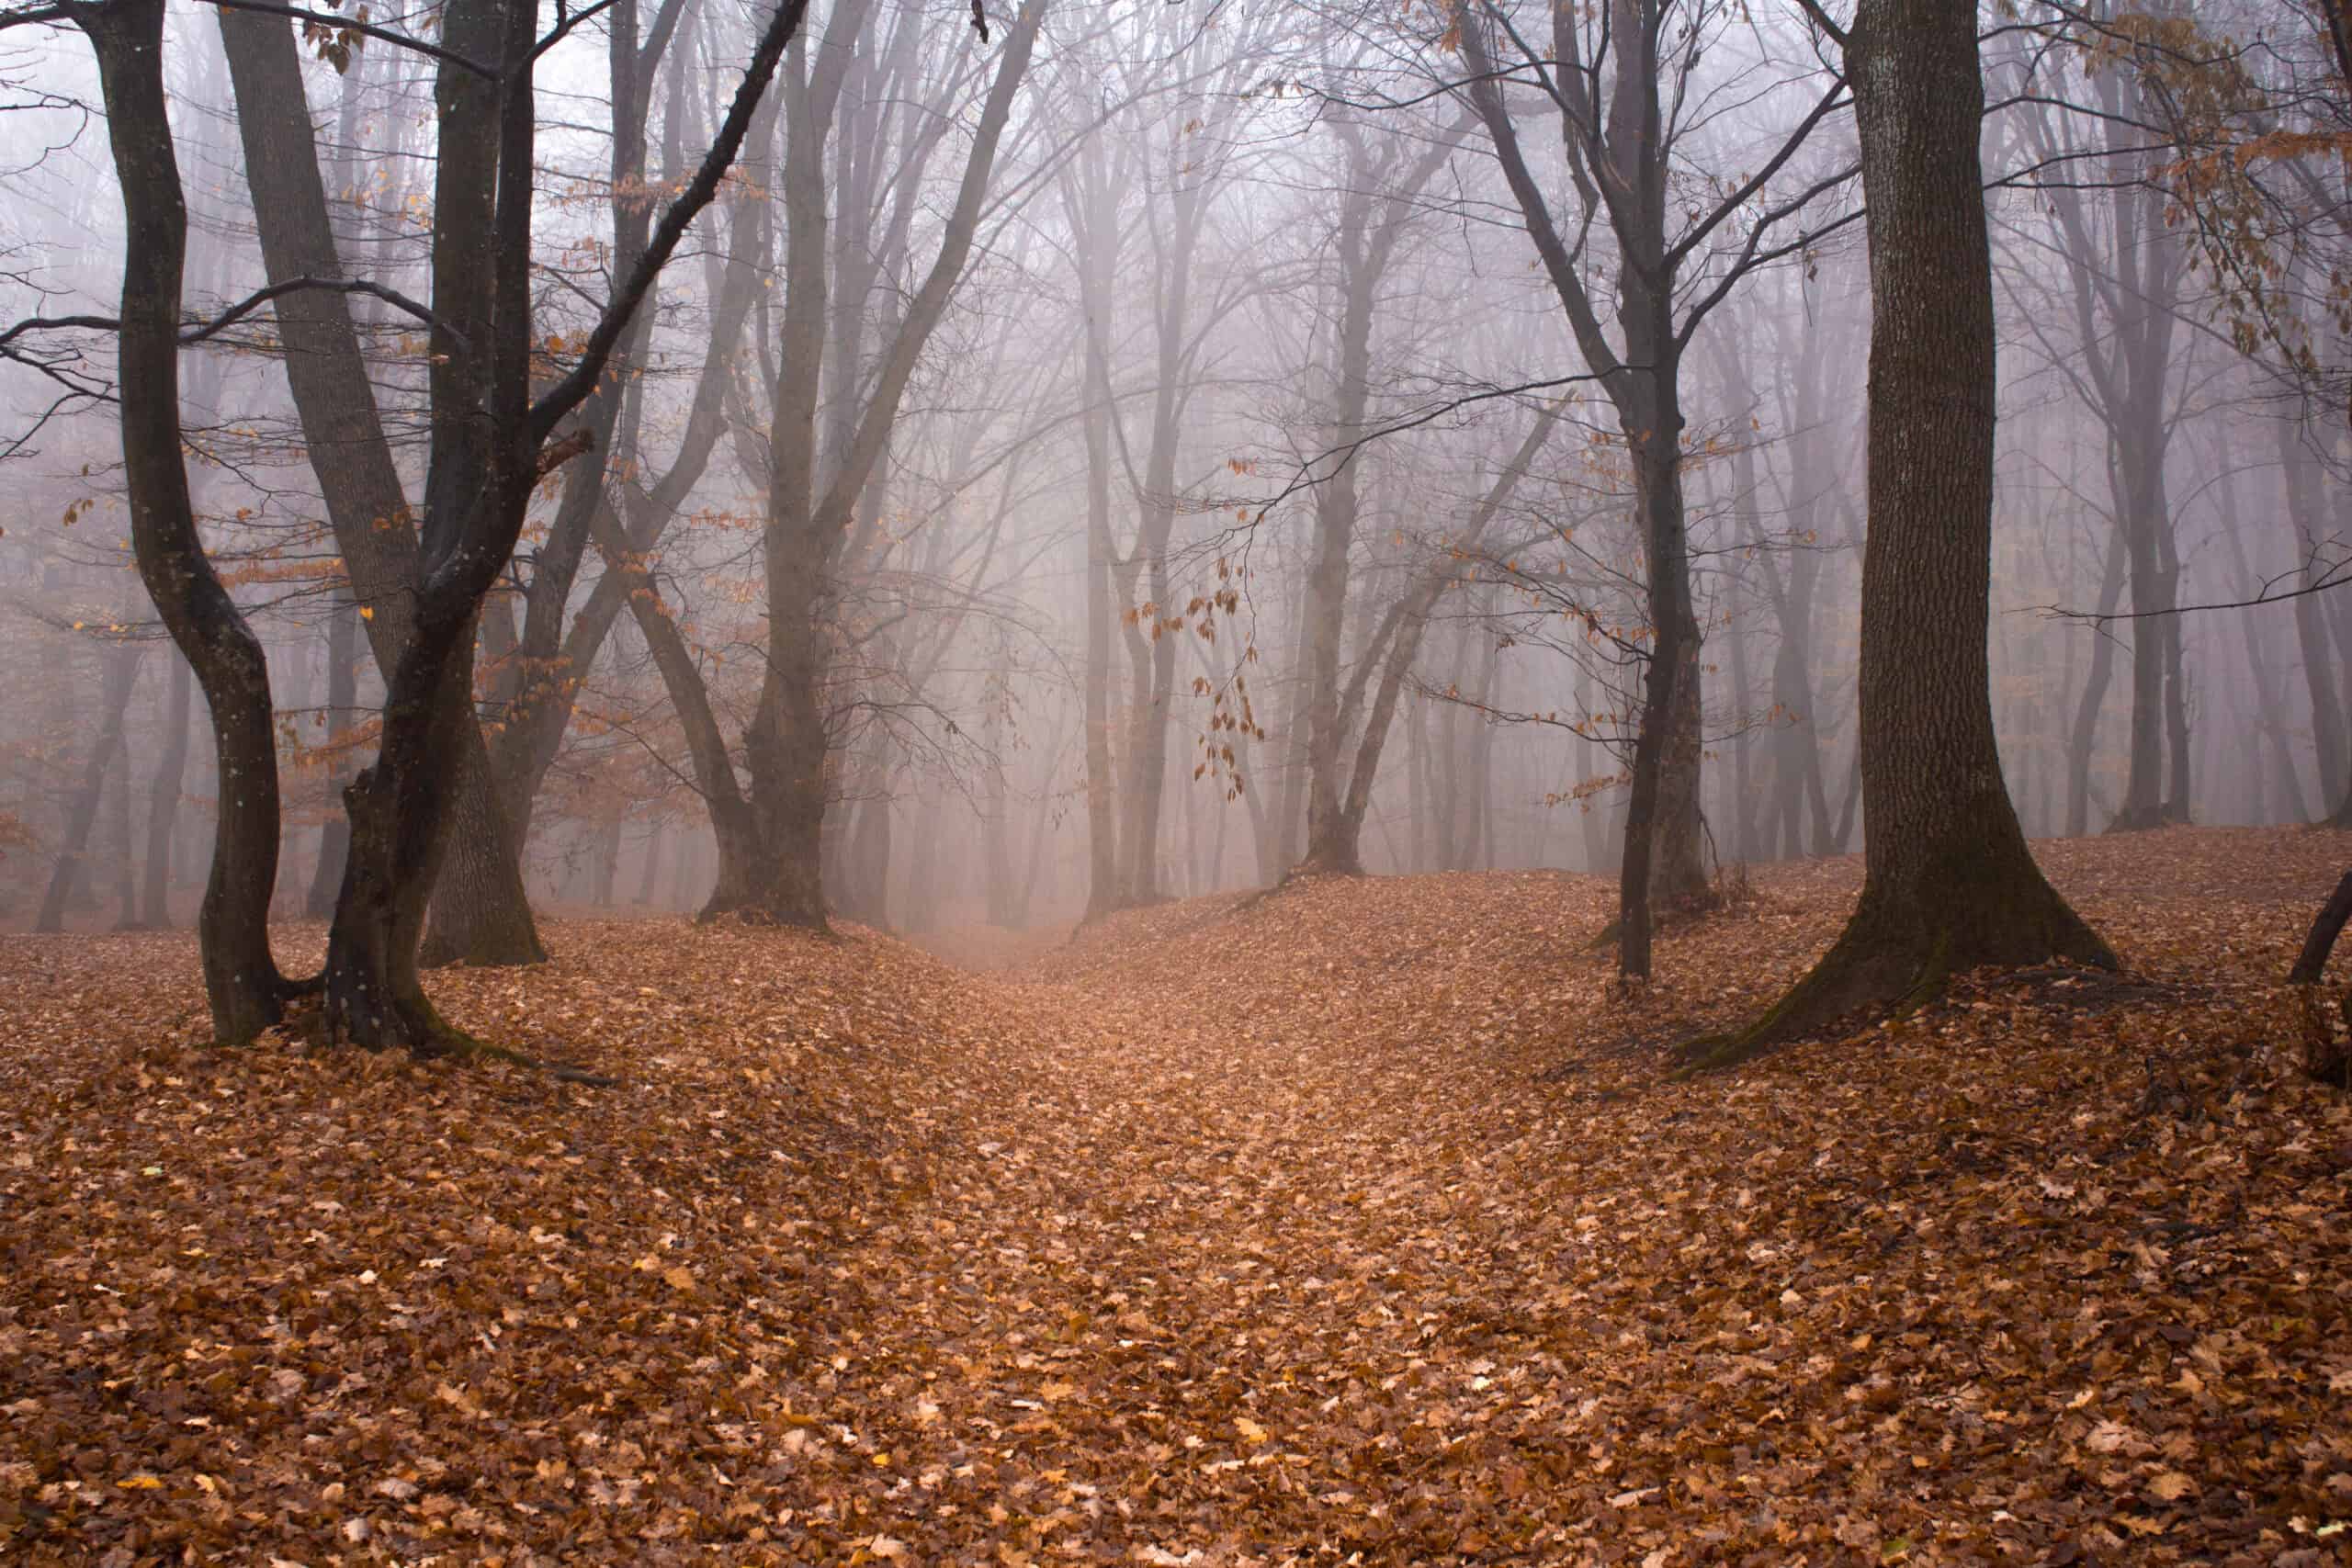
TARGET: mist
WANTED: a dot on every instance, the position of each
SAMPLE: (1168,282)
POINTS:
(1247,391)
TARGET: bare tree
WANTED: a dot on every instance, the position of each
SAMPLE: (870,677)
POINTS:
(1622,79)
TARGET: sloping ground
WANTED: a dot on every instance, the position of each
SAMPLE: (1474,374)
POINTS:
(2018,1280)
(1355,1223)
(275,1303)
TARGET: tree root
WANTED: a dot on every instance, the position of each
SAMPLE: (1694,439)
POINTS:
(430,1037)
(1849,984)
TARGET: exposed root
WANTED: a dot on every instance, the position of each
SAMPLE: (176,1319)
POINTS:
(1840,995)
(428,1036)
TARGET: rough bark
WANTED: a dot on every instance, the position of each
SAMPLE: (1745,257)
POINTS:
(1949,884)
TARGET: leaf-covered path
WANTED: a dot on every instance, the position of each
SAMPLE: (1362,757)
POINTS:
(1355,1224)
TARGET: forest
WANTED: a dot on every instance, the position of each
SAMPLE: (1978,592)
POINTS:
(1194,782)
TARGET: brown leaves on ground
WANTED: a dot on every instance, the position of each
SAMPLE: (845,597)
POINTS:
(1359,1223)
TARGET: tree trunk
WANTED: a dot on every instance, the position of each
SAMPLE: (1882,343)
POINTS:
(608,862)
(73,870)
(2304,520)
(343,700)
(2311,964)
(399,807)
(1371,225)
(481,472)
(2155,655)
(788,747)
(650,874)
(1096,206)
(1743,809)
(2082,740)
(486,915)
(1948,881)
(2270,716)
(164,797)
(1661,808)
(480,912)
(243,984)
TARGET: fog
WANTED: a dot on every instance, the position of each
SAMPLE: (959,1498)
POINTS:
(1159,454)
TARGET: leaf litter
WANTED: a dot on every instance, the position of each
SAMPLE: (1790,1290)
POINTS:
(1360,1222)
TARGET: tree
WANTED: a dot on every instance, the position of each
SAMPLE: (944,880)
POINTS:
(492,443)
(771,833)
(72,868)
(163,799)
(1949,884)
(243,986)
(1383,186)
(367,503)
(1391,651)
(1620,76)
(2125,272)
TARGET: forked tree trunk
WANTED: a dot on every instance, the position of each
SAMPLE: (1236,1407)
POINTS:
(1949,884)
(789,742)
(478,489)
(1371,224)
(488,915)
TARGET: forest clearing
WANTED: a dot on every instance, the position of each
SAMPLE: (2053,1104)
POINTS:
(1361,1221)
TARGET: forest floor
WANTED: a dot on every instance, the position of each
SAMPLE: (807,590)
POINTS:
(1359,1223)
